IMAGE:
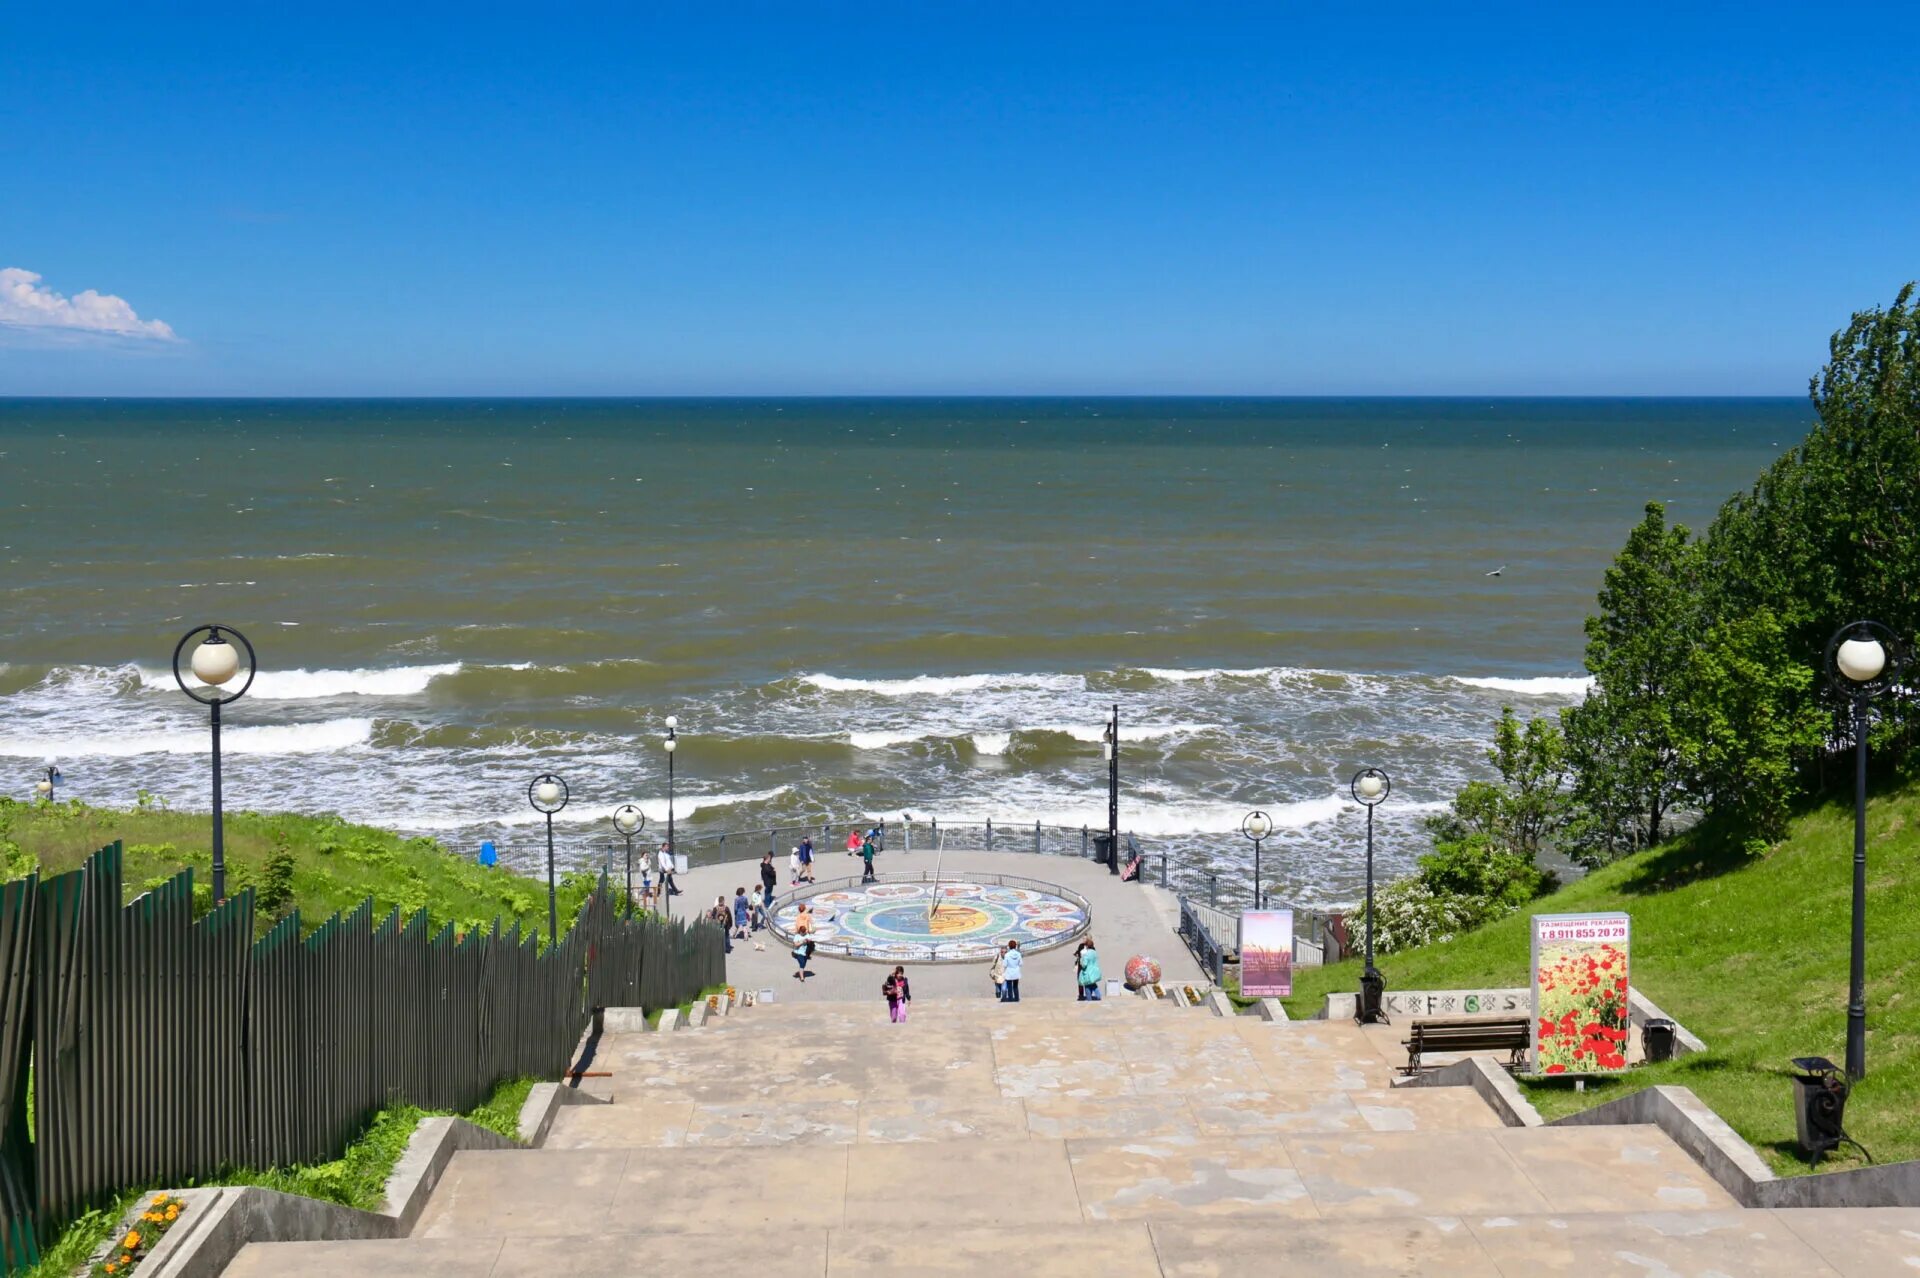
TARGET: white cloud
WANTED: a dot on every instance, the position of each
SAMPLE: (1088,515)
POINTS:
(24,303)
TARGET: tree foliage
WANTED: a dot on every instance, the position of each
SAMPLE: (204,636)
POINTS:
(1706,655)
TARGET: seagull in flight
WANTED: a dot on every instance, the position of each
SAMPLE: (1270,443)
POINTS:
(1497,571)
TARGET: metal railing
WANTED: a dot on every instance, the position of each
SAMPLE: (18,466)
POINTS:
(931,951)
(165,1048)
(926,835)
(1201,941)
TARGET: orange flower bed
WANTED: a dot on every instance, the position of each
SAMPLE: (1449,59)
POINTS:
(138,1242)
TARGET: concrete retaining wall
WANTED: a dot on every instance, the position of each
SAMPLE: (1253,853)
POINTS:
(1495,1086)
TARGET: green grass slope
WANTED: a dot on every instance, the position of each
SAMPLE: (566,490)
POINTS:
(1751,954)
(336,865)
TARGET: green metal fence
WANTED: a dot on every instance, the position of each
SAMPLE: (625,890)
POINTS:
(163,1048)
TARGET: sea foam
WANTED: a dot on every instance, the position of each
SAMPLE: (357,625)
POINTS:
(1544,686)
(285,738)
(317,685)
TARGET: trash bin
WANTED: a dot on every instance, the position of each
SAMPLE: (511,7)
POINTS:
(1103,849)
(1657,1038)
(1820,1105)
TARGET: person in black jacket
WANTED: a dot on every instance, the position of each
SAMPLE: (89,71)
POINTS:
(898,994)
(769,879)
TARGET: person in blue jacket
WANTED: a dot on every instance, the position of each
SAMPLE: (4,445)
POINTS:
(1010,969)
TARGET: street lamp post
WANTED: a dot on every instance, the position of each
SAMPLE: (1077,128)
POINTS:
(1257,826)
(548,794)
(629,821)
(214,662)
(671,744)
(1370,787)
(47,785)
(1863,661)
(1111,748)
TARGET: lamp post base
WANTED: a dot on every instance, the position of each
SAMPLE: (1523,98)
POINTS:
(1373,997)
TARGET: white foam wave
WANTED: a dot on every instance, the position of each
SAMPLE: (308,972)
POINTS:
(316,685)
(880,740)
(941,685)
(1544,686)
(287,738)
(992,742)
(1196,676)
(578,813)
(1128,732)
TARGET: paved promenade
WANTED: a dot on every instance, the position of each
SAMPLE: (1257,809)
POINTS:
(1128,919)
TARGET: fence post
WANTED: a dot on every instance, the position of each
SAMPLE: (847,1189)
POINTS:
(1163,867)
(989,834)
(1213,890)
(1084,851)
(1036,838)
(906,833)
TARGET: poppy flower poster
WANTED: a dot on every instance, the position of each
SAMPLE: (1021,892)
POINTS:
(1580,1014)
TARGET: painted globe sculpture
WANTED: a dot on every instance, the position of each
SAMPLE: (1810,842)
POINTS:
(1142,971)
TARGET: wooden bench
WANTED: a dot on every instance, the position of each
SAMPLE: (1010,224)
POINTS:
(1513,1035)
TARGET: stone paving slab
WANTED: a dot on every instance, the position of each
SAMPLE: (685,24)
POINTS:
(782,1253)
(1274,1112)
(1627,1168)
(511,1191)
(1130,1117)
(1688,1244)
(376,1258)
(964,1183)
(1415,1247)
(1412,1173)
(936,1119)
(1108,1251)
(1425,1109)
(1859,1241)
(1133,1179)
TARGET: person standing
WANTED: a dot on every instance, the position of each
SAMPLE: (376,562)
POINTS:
(867,849)
(1011,966)
(1088,961)
(742,913)
(999,974)
(769,877)
(806,860)
(667,886)
(720,914)
(898,994)
(801,954)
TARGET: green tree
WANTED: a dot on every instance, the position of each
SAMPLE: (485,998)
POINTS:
(1622,741)
(1744,719)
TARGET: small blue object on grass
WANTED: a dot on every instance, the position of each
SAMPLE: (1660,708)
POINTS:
(487,855)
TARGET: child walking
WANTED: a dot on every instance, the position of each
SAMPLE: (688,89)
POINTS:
(898,994)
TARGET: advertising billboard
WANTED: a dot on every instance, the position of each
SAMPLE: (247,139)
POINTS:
(1266,953)
(1580,1019)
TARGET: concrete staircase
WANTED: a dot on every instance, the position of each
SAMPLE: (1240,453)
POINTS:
(1106,1139)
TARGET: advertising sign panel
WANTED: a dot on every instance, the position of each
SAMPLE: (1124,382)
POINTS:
(1266,953)
(1580,1021)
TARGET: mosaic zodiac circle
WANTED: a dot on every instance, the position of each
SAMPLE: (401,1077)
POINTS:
(902,922)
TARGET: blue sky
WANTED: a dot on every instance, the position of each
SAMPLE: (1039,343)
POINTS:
(740,199)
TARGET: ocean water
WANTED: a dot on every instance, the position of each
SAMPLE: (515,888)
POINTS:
(853,606)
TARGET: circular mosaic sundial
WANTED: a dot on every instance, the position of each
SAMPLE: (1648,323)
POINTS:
(903,923)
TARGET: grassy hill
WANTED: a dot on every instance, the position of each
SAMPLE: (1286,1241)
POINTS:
(335,865)
(1751,955)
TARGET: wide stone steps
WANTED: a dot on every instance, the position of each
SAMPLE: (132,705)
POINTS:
(1864,1243)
